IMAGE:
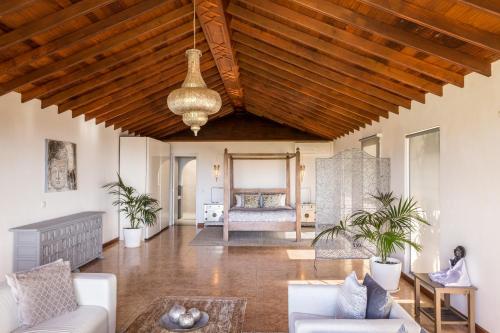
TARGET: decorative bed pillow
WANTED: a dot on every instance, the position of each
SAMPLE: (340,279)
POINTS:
(379,302)
(351,301)
(239,200)
(43,293)
(251,200)
(273,200)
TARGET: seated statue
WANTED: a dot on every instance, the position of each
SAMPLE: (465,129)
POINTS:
(456,275)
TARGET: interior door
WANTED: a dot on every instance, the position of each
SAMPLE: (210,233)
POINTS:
(153,180)
(165,186)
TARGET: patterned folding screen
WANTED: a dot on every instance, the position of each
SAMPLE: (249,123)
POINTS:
(344,184)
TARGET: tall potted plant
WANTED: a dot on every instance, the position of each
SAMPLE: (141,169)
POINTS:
(139,209)
(387,229)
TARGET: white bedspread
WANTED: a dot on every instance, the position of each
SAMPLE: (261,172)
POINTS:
(262,215)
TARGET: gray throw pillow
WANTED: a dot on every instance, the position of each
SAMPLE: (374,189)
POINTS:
(351,300)
(379,302)
(43,293)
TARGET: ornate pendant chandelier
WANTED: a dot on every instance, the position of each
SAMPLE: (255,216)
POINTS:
(194,101)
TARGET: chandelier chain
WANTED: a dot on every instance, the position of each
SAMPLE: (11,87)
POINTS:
(194,24)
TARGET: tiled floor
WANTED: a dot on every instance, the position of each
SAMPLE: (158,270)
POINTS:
(167,265)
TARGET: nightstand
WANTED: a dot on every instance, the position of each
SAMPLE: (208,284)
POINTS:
(308,212)
(213,214)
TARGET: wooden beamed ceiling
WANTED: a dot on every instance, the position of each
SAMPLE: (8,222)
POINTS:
(324,67)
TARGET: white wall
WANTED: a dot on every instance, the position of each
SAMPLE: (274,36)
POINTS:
(23,130)
(248,174)
(469,121)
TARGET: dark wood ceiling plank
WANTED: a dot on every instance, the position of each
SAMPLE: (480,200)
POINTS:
(213,21)
(9,6)
(275,112)
(282,69)
(315,115)
(170,54)
(293,110)
(48,22)
(174,63)
(336,51)
(169,18)
(490,6)
(400,36)
(347,82)
(12,65)
(50,87)
(438,22)
(322,59)
(324,100)
(120,86)
(360,43)
(257,83)
(304,86)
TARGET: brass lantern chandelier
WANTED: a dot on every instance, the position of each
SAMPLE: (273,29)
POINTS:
(194,101)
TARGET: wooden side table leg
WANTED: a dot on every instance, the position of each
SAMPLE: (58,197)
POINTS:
(417,300)
(472,311)
(437,308)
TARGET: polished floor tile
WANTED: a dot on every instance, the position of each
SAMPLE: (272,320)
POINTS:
(168,265)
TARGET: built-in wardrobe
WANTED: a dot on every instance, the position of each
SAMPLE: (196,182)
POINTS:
(145,165)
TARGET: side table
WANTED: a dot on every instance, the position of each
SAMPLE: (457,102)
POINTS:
(444,315)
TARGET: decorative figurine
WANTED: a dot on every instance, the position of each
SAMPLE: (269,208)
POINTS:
(456,275)
(186,320)
(175,312)
(195,313)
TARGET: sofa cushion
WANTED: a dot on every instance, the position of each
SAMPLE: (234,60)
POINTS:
(352,299)
(43,293)
(85,319)
(379,302)
(294,316)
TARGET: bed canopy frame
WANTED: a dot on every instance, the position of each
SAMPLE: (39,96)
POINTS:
(230,191)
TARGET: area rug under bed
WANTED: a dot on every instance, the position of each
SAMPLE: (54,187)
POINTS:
(212,236)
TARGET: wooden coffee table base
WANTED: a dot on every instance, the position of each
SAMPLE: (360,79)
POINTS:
(227,314)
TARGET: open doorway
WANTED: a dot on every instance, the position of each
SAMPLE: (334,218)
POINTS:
(185,190)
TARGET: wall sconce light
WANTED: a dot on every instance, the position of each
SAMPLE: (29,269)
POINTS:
(216,170)
(302,172)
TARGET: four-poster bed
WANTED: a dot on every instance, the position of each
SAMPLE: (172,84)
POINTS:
(278,218)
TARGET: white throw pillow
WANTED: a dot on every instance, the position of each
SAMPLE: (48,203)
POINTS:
(239,200)
(352,299)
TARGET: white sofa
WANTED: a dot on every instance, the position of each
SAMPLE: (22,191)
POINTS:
(96,313)
(311,309)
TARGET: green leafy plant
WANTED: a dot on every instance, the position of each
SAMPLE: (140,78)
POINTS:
(140,209)
(387,228)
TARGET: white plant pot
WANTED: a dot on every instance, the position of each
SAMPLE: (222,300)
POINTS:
(132,237)
(386,275)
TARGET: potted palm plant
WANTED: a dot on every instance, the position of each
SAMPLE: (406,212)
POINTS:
(387,228)
(139,209)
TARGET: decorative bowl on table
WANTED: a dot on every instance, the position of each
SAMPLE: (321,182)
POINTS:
(180,320)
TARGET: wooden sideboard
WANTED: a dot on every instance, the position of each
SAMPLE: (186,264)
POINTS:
(76,238)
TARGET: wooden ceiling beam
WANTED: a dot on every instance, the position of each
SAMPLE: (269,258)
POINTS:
(325,60)
(9,6)
(316,97)
(309,102)
(170,54)
(175,63)
(256,110)
(489,6)
(360,43)
(400,36)
(438,22)
(276,113)
(42,72)
(306,78)
(334,50)
(173,76)
(214,24)
(57,84)
(300,109)
(13,65)
(307,115)
(346,84)
(48,22)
